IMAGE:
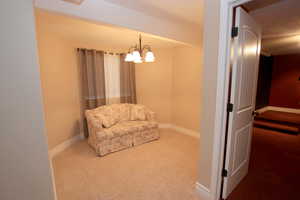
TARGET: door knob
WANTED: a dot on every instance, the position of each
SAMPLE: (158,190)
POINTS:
(255,113)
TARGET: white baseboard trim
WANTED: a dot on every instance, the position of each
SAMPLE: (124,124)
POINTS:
(203,191)
(181,130)
(261,110)
(281,109)
(186,131)
(53,179)
(61,147)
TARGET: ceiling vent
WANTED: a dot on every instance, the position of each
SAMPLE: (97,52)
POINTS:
(78,2)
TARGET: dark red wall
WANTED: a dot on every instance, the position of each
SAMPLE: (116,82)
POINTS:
(285,88)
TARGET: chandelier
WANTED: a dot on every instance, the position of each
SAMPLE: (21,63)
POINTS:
(140,53)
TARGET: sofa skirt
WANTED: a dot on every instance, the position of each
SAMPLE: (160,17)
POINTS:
(110,145)
(145,136)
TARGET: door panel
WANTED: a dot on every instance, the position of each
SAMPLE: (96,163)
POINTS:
(243,93)
(247,71)
(241,147)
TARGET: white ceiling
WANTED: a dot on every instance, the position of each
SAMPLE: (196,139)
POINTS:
(187,10)
(281,27)
(95,34)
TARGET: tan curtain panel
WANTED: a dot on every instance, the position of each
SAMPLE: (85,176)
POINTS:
(93,81)
(127,81)
(91,69)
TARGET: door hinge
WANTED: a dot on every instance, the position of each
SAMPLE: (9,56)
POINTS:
(234,31)
(224,173)
(229,107)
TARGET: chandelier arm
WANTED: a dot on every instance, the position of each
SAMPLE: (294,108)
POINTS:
(140,44)
(147,47)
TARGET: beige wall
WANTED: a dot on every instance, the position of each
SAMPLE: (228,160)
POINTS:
(171,86)
(59,78)
(186,91)
(154,84)
(24,163)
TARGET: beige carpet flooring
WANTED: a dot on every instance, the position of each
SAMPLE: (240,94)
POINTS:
(161,170)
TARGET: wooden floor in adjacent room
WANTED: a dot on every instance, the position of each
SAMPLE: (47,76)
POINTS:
(161,170)
(274,172)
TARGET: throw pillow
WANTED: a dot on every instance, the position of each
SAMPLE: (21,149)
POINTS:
(138,113)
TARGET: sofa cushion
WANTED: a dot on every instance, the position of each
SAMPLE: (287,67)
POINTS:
(124,111)
(109,115)
(112,114)
(127,127)
(138,113)
(138,125)
(107,121)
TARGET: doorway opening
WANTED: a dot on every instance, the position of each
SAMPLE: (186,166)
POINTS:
(147,166)
(271,151)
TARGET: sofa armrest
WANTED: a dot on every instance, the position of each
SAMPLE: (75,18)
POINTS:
(150,115)
(94,124)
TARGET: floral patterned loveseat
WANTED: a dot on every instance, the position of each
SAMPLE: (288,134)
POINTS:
(120,126)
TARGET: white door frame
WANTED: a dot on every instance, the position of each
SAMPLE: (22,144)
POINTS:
(226,19)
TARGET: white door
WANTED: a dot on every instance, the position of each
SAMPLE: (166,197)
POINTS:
(245,60)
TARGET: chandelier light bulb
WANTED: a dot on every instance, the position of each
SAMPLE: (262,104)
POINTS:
(129,57)
(138,60)
(136,55)
(149,57)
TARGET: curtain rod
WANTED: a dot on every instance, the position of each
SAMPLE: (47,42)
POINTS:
(105,52)
(111,53)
